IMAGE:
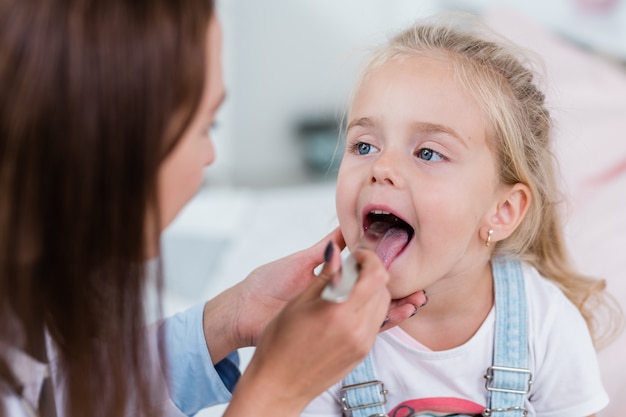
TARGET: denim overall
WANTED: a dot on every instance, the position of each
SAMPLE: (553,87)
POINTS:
(508,380)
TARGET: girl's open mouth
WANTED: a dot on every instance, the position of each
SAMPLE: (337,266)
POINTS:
(390,233)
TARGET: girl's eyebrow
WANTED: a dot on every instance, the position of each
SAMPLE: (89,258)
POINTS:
(424,127)
(427,127)
(363,122)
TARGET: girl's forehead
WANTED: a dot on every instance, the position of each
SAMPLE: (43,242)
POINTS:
(407,73)
(413,78)
(420,90)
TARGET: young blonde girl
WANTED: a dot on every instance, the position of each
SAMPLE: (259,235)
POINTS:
(449,170)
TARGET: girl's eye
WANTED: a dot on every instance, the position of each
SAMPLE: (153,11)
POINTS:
(363,148)
(429,155)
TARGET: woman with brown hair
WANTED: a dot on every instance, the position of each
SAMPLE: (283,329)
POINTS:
(104,115)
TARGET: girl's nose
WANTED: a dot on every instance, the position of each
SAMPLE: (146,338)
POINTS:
(386,170)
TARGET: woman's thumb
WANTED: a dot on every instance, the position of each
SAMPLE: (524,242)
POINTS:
(331,270)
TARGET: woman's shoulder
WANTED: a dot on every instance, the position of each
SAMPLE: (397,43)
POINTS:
(11,403)
(25,377)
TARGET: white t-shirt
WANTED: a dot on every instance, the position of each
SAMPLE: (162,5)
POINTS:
(566,377)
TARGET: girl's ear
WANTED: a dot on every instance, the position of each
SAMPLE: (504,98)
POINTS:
(511,209)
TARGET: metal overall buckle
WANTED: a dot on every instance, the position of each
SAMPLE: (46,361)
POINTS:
(348,407)
(489,379)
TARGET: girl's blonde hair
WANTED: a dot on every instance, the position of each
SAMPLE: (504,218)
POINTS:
(501,78)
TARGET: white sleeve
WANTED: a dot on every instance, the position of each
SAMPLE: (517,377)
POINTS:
(567,374)
(194,382)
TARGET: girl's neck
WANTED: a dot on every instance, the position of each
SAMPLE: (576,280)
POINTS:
(456,309)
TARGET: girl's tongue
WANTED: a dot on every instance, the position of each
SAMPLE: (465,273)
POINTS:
(388,241)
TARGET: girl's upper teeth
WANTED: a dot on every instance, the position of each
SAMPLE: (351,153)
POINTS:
(380,212)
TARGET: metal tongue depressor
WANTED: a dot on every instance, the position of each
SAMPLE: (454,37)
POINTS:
(338,288)
(386,241)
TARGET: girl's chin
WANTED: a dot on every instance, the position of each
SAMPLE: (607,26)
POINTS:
(400,294)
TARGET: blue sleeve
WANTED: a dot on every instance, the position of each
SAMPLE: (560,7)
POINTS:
(194,382)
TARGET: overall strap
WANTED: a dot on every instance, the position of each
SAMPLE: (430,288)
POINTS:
(508,380)
(362,394)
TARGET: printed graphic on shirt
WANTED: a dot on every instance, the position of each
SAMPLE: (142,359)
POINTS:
(439,407)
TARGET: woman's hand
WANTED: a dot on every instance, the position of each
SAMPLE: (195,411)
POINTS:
(313,343)
(266,291)
(237,317)
(240,314)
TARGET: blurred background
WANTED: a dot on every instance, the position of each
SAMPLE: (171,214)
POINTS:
(289,70)
(291,64)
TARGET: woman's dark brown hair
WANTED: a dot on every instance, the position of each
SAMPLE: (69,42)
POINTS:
(87,91)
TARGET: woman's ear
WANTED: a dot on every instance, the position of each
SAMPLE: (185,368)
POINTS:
(512,207)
